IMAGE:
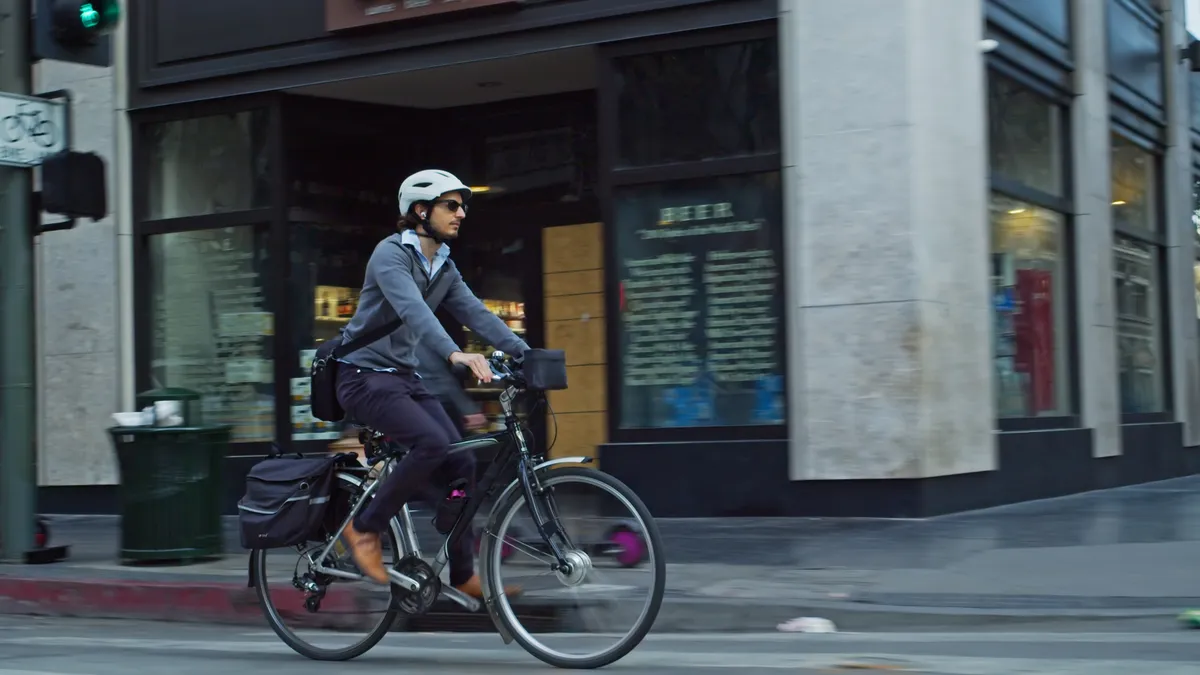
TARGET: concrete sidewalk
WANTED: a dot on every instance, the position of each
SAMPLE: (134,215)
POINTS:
(1118,553)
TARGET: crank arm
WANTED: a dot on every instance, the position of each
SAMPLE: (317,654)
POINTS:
(401,580)
(466,601)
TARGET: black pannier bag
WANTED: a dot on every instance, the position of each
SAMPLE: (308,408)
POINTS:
(286,499)
(545,369)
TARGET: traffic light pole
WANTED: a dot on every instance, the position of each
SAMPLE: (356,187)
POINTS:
(18,480)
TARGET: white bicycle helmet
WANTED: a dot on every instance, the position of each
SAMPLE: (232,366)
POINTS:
(428,185)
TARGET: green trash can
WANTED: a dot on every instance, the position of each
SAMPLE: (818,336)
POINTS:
(170,491)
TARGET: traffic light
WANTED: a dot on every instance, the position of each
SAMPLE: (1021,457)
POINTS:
(73,185)
(75,31)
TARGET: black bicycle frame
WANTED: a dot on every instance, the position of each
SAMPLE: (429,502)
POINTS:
(512,447)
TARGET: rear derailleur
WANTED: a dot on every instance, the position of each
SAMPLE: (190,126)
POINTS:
(312,584)
(314,590)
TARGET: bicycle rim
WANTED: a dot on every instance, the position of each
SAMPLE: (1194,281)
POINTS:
(544,646)
(318,632)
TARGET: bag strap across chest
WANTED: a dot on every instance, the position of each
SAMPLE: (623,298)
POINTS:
(434,292)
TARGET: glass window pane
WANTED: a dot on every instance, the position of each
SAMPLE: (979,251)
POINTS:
(1139,326)
(211,325)
(329,257)
(208,165)
(1025,135)
(701,301)
(1196,275)
(1134,185)
(1029,301)
(696,104)
(1196,210)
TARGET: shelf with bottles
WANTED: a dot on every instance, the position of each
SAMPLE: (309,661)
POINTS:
(513,315)
(334,304)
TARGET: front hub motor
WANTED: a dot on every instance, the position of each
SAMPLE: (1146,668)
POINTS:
(579,565)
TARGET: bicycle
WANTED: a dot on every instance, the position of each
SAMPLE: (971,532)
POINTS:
(25,123)
(415,583)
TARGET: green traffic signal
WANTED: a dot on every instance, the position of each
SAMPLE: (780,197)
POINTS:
(89,16)
(84,20)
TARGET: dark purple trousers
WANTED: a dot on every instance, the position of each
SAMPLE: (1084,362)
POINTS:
(399,406)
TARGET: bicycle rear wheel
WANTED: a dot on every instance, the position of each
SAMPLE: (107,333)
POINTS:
(284,584)
(587,596)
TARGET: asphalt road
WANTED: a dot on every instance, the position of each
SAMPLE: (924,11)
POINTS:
(33,646)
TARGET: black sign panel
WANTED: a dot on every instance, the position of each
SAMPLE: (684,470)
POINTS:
(701,303)
(1051,17)
(1135,56)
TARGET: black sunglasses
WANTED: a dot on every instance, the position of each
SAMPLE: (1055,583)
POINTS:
(453,204)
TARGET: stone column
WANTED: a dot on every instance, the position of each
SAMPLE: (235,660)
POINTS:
(887,238)
(77,304)
(1184,356)
(1099,386)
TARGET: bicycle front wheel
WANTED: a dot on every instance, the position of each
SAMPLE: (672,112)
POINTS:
(611,541)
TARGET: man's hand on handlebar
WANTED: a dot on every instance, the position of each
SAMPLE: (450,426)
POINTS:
(477,363)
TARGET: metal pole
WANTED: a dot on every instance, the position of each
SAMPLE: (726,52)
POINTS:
(18,481)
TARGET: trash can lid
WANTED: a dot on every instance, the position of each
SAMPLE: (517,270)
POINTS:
(169,394)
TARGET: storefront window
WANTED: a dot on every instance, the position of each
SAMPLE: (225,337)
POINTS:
(1029,302)
(211,325)
(1196,241)
(700,302)
(1025,136)
(1134,186)
(1137,270)
(697,104)
(329,258)
(1029,260)
(1138,327)
(208,165)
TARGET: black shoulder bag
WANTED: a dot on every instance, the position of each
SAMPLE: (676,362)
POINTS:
(324,400)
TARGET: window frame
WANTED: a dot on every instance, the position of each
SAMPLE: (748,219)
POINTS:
(1151,138)
(272,216)
(1016,68)
(612,177)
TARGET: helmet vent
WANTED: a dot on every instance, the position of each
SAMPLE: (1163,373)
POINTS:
(423,184)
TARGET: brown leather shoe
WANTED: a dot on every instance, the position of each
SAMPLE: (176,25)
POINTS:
(367,553)
(474,588)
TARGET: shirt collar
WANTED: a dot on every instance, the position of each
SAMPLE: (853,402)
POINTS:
(410,237)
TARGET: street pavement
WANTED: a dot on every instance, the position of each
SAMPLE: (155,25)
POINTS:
(1119,553)
(36,646)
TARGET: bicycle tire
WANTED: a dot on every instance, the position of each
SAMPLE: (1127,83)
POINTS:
(258,571)
(653,538)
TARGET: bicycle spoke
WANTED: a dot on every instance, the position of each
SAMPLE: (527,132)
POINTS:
(608,602)
(526,549)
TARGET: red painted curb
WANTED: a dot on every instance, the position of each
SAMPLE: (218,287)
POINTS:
(225,603)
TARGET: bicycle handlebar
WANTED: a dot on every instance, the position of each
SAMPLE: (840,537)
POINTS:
(501,365)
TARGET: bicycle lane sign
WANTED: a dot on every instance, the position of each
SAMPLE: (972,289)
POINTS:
(30,129)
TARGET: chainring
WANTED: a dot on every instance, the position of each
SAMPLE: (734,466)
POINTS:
(421,600)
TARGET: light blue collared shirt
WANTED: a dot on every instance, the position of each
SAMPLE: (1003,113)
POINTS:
(410,238)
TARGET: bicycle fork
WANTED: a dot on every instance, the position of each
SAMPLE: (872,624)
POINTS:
(405,533)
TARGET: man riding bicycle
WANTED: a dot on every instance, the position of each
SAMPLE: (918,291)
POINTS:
(378,385)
